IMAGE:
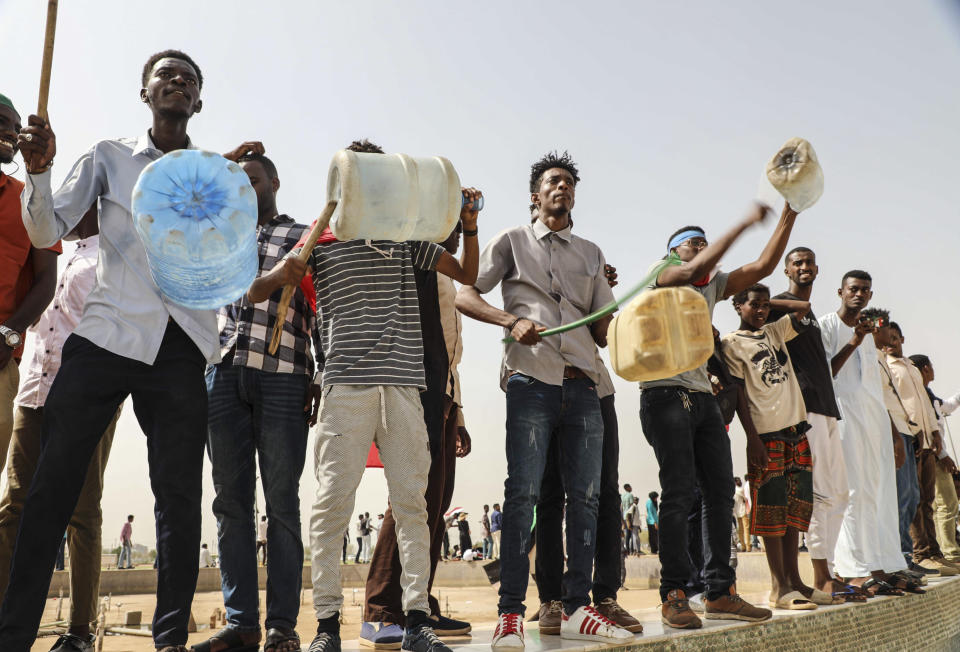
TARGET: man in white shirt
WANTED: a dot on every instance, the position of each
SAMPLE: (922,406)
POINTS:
(868,549)
(205,557)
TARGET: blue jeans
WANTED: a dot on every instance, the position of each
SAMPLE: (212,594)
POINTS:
(257,415)
(692,447)
(908,495)
(536,413)
(487,547)
(126,553)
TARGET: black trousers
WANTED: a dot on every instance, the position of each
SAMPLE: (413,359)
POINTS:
(549,539)
(170,402)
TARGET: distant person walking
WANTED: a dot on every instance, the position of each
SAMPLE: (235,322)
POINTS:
(487,535)
(653,521)
(496,525)
(262,539)
(126,544)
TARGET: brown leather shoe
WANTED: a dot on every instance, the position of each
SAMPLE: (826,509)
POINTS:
(609,608)
(550,617)
(733,607)
(676,613)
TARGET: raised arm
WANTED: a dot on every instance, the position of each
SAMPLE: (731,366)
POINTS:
(799,308)
(707,259)
(464,271)
(743,277)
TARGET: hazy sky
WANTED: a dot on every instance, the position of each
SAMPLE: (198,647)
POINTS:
(671,110)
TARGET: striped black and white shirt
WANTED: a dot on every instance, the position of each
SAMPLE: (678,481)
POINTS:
(367,310)
(246,328)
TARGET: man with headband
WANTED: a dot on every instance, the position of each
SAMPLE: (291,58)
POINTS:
(28,276)
(682,421)
(131,341)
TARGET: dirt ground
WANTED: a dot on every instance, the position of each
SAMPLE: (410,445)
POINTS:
(475,604)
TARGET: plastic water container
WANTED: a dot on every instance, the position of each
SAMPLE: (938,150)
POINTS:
(393,197)
(796,174)
(660,334)
(196,214)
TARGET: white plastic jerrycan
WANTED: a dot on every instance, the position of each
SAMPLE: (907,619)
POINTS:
(393,197)
(660,334)
(796,174)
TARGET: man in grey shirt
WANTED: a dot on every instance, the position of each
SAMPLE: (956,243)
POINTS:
(130,341)
(548,277)
(682,422)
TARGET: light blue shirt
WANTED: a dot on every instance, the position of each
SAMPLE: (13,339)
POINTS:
(125,313)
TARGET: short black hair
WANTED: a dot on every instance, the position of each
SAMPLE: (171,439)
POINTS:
(653,494)
(798,250)
(365,147)
(681,230)
(169,54)
(549,161)
(877,313)
(895,326)
(740,297)
(857,274)
(920,361)
(267,164)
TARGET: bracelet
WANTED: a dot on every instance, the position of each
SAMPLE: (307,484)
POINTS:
(470,233)
(41,170)
(514,323)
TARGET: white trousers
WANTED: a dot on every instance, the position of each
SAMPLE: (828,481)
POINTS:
(830,489)
(351,418)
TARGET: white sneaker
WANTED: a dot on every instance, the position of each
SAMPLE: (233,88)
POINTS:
(509,633)
(696,603)
(587,624)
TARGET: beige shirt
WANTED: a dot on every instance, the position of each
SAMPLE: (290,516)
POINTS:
(552,278)
(761,360)
(909,384)
(452,337)
(898,413)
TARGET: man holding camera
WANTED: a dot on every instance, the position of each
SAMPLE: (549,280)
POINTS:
(868,548)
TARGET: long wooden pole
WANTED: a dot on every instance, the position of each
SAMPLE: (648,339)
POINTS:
(47,58)
(305,252)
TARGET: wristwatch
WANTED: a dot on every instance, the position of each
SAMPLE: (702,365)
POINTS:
(11,337)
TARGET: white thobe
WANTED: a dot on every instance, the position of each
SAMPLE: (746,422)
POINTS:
(869,536)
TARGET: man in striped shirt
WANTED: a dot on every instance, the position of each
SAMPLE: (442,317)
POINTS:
(370,333)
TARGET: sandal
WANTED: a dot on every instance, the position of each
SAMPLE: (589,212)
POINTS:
(231,637)
(906,583)
(882,587)
(279,635)
(850,594)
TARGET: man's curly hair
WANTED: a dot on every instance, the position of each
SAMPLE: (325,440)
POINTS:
(365,147)
(169,54)
(549,161)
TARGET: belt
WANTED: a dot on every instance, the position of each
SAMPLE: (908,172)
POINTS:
(574,372)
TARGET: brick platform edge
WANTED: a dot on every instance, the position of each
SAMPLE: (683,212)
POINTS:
(929,622)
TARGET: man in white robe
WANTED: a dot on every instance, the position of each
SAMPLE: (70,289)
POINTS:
(869,543)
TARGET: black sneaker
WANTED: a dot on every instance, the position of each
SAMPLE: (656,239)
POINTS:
(73,643)
(325,642)
(917,568)
(444,626)
(422,639)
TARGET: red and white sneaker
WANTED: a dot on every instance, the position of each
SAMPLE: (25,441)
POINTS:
(509,633)
(587,624)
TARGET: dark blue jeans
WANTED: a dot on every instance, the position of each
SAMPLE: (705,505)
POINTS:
(170,402)
(258,415)
(606,568)
(908,495)
(692,448)
(536,414)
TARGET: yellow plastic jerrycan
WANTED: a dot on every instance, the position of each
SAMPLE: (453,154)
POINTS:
(660,334)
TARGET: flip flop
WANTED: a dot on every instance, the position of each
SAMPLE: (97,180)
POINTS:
(277,635)
(818,597)
(850,594)
(793,601)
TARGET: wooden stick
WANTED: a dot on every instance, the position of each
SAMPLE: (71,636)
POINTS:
(288,290)
(47,59)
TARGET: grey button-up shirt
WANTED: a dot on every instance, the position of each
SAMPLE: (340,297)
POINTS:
(552,278)
(125,313)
